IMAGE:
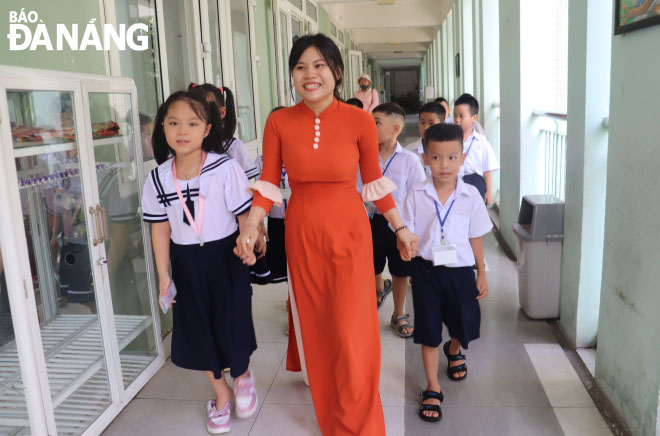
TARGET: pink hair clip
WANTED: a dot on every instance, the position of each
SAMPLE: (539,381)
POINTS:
(222,91)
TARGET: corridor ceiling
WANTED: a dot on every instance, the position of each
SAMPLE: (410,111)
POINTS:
(390,29)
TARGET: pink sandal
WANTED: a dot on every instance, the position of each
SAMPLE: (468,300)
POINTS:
(246,396)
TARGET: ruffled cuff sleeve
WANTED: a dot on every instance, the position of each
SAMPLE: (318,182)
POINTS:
(265,194)
(379,192)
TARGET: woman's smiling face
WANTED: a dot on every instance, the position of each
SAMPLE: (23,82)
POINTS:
(313,78)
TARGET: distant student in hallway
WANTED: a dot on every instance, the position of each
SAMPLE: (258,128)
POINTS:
(355,102)
(480,159)
(366,94)
(224,99)
(450,218)
(430,114)
(445,104)
(449,120)
(405,170)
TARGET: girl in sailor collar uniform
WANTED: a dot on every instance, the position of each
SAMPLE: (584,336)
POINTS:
(196,200)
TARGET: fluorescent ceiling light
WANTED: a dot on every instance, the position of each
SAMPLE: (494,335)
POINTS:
(385,2)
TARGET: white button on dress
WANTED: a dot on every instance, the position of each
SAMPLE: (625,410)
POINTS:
(317,121)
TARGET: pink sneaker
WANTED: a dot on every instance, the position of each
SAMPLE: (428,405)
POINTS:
(246,396)
(219,421)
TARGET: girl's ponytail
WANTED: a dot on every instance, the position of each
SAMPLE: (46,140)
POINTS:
(229,122)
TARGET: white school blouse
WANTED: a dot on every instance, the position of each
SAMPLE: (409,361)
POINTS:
(404,170)
(223,185)
(481,156)
(467,219)
(239,152)
(276,211)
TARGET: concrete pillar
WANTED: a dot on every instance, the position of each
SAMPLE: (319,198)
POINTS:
(521,155)
(589,49)
(627,368)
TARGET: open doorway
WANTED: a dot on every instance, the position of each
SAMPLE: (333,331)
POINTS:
(404,88)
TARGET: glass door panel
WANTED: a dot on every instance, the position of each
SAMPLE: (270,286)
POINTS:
(240,26)
(215,59)
(284,59)
(119,186)
(57,231)
(13,410)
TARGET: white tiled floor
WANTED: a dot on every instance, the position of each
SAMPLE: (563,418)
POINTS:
(520,382)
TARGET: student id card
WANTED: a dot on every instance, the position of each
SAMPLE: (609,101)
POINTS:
(286,193)
(371,209)
(444,254)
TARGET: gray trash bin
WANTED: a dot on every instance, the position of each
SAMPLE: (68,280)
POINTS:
(539,239)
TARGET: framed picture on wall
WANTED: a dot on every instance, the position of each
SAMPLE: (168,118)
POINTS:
(631,15)
(457,64)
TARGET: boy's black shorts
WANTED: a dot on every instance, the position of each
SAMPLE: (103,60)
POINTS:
(448,295)
(384,243)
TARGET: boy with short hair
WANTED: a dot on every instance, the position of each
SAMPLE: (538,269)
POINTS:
(431,113)
(450,218)
(480,159)
(405,170)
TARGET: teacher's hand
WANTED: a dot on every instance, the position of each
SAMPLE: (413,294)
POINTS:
(245,244)
(406,242)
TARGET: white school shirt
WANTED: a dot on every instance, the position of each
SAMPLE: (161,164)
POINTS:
(276,211)
(223,185)
(480,156)
(467,219)
(418,148)
(404,170)
(238,151)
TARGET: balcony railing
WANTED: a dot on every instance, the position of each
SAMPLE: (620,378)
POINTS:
(552,128)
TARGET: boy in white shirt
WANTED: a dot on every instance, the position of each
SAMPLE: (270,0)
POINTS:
(450,217)
(404,168)
(480,159)
(431,113)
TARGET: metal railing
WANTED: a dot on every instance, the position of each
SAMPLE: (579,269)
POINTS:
(553,141)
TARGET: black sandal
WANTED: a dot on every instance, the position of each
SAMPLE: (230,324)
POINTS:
(382,295)
(430,407)
(451,370)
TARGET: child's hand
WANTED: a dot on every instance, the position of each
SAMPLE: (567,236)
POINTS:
(489,198)
(163,284)
(482,285)
(260,247)
(406,242)
(245,245)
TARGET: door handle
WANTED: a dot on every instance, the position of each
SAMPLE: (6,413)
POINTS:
(97,220)
(104,216)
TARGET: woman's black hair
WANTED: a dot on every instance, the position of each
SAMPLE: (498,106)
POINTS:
(208,113)
(224,97)
(328,51)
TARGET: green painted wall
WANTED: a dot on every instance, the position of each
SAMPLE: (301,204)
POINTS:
(324,21)
(627,365)
(265,48)
(53,12)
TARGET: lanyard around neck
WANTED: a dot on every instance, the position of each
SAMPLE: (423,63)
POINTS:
(470,147)
(389,162)
(196,228)
(443,221)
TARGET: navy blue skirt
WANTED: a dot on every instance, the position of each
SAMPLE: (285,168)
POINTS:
(213,326)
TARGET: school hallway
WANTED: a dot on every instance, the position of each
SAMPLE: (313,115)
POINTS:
(520,380)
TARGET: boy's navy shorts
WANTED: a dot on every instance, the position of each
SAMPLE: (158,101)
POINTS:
(384,243)
(477,181)
(448,295)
